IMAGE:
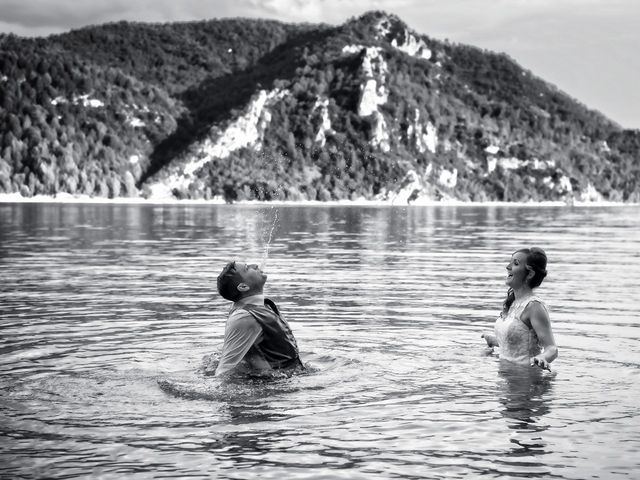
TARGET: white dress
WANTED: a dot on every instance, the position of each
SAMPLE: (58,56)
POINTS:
(518,342)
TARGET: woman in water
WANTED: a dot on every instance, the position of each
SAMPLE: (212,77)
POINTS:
(523,330)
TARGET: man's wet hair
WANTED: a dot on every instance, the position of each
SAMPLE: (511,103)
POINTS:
(228,282)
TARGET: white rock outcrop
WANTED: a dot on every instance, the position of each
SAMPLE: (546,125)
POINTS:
(135,122)
(58,100)
(384,28)
(603,146)
(448,178)
(87,101)
(325,125)
(407,42)
(380,137)
(373,92)
(565,184)
(370,98)
(245,131)
(414,189)
(424,136)
(412,46)
(513,163)
(590,194)
(410,187)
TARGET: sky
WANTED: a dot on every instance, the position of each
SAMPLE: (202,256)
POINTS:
(587,48)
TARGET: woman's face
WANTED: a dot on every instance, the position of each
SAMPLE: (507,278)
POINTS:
(517,271)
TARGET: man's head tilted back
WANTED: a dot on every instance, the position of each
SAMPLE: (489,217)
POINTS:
(239,280)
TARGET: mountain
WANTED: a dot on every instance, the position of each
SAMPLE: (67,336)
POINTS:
(252,109)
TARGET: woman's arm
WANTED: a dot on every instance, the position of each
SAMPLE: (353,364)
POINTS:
(540,323)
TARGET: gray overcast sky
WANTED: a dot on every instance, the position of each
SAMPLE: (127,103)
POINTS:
(585,47)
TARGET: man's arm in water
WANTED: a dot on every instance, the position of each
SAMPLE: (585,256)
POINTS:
(241,332)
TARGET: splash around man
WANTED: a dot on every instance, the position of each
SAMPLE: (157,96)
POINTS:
(256,336)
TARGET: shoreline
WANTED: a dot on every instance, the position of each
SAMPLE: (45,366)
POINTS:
(72,199)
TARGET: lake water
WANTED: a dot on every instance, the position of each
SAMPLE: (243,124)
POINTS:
(99,302)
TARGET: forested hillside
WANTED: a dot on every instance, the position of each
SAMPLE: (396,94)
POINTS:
(252,109)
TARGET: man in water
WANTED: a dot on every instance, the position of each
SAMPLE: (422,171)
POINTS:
(256,335)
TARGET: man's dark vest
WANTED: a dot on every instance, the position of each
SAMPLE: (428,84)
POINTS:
(278,344)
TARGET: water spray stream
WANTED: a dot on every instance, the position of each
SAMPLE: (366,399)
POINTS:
(267,244)
(277,192)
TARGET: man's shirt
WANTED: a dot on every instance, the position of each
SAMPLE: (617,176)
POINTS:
(241,333)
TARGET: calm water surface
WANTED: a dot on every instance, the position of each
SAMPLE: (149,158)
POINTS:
(99,302)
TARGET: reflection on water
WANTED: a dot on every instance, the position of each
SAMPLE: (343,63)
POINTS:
(524,396)
(108,310)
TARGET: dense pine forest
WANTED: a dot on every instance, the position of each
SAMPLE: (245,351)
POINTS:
(251,109)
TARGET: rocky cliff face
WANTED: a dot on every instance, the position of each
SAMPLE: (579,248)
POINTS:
(366,110)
